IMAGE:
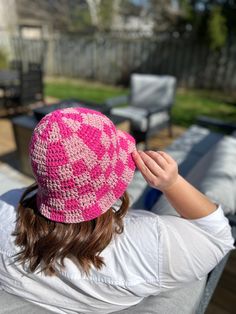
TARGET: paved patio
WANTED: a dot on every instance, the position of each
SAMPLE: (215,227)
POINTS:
(10,177)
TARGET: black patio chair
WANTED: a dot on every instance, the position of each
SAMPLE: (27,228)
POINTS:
(32,84)
(149,105)
(30,87)
(16,65)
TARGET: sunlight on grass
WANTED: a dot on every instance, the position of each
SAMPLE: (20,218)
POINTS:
(192,103)
(83,90)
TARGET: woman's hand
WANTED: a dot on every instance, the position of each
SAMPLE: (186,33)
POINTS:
(161,172)
(158,168)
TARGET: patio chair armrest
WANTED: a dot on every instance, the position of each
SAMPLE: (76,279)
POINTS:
(213,279)
(154,109)
(208,121)
(232,219)
(232,222)
(116,101)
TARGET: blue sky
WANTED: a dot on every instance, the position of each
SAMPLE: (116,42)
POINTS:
(143,2)
(140,1)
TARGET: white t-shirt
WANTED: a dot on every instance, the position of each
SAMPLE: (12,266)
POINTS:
(153,254)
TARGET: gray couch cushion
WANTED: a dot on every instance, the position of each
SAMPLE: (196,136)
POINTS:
(214,175)
(191,146)
(181,301)
(10,304)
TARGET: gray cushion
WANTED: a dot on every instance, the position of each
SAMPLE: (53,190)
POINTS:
(138,117)
(181,301)
(150,90)
(10,304)
(196,139)
(215,174)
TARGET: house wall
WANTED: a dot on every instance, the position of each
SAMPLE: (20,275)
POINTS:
(8,16)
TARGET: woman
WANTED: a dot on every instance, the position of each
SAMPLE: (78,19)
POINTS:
(72,246)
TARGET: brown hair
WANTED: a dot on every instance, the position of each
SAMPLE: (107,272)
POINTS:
(43,242)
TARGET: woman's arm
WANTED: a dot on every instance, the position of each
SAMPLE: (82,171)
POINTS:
(161,172)
(189,248)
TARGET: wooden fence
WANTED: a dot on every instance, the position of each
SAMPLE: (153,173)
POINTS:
(112,60)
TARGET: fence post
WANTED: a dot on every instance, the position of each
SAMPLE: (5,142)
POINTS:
(50,55)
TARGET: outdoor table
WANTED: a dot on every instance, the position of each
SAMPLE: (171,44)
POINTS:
(39,113)
(24,125)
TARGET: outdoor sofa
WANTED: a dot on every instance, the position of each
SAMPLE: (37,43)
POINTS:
(207,160)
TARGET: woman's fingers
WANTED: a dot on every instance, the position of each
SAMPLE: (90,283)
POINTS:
(158,169)
(151,164)
(158,158)
(167,157)
(143,163)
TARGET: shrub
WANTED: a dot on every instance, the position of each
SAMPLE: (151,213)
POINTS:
(3,59)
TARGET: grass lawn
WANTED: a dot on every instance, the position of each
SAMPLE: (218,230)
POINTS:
(87,90)
(189,103)
(192,103)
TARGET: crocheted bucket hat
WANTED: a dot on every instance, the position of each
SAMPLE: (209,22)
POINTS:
(81,162)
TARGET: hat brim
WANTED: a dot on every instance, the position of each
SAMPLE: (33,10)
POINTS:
(127,146)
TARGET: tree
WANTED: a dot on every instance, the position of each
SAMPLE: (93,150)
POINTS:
(217,29)
(103,13)
(211,15)
(94,8)
(209,20)
(160,11)
(3,59)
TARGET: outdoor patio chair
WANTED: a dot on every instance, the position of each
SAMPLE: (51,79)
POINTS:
(30,86)
(150,101)
(16,65)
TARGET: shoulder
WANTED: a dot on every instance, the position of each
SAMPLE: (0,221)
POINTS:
(139,215)
(141,226)
(132,257)
(141,221)
(135,252)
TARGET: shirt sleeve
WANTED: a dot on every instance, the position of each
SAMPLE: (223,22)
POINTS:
(190,249)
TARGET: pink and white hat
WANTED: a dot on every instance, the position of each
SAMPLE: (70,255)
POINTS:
(81,162)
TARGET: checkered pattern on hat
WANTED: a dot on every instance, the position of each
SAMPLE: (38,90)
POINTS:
(81,162)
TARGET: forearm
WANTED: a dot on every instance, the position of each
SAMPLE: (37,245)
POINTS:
(188,201)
